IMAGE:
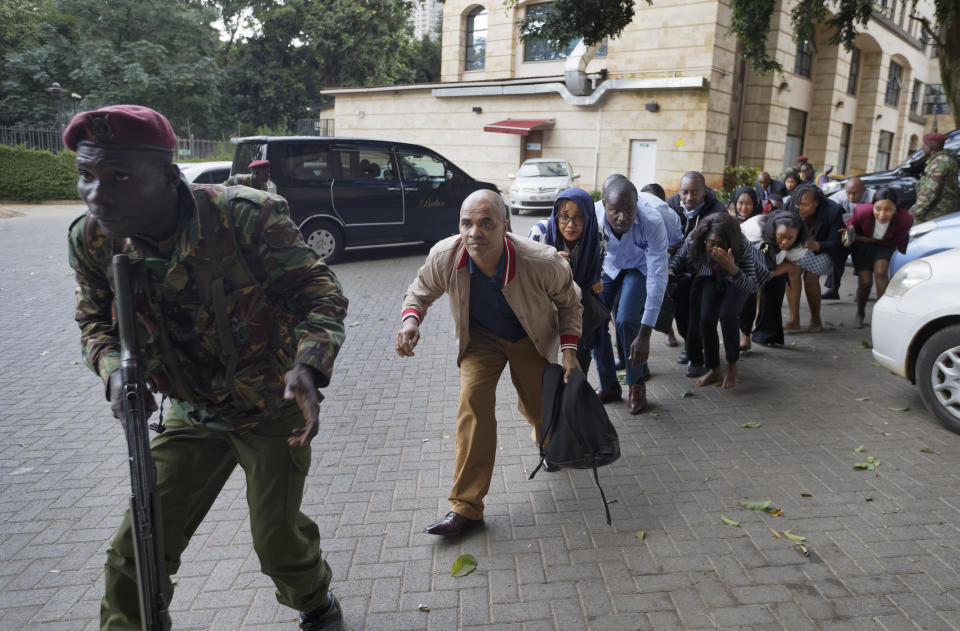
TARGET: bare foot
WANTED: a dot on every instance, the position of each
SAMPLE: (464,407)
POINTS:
(744,342)
(791,326)
(732,376)
(815,326)
(672,340)
(713,376)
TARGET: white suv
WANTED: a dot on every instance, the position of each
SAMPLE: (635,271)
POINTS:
(916,331)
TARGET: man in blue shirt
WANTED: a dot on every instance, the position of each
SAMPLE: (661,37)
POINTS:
(635,270)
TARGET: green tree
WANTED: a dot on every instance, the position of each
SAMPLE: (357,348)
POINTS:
(593,20)
(157,53)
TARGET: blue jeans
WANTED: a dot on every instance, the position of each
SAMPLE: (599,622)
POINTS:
(631,286)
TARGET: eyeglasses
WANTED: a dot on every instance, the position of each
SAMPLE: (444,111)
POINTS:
(579,220)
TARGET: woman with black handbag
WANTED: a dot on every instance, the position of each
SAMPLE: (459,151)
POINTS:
(573,230)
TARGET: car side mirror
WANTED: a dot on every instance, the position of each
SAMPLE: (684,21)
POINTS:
(448,175)
(576,175)
(511,175)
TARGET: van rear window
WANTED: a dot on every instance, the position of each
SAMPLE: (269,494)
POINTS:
(304,163)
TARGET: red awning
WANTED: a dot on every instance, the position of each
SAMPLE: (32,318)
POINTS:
(519,127)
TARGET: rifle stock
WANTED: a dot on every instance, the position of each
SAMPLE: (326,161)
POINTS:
(144,500)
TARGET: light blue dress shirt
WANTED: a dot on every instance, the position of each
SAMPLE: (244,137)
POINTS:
(643,248)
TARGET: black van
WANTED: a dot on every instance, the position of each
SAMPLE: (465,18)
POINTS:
(352,193)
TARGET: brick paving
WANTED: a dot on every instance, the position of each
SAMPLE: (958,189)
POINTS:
(883,545)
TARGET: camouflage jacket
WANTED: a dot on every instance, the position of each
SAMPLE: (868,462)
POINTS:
(937,193)
(246,179)
(238,301)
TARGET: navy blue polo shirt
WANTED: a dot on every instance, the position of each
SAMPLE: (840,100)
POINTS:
(489,307)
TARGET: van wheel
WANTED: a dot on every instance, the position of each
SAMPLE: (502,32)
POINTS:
(325,238)
(938,375)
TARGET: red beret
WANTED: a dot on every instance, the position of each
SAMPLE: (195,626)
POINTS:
(258,163)
(121,126)
(801,159)
(935,138)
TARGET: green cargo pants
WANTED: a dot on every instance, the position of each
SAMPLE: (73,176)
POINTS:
(193,463)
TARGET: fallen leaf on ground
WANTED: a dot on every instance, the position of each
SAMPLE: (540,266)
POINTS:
(22,445)
(792,537)
(688,393)
(866,344)
(652,414)
(859,449)
(44,353)
(423,607)
(706,479)
(806,495)
(868,499)
(876,364)
(762,505)
(925,450)
(464,564)
(426,440)
(803,549)
(775,533)
(352,324)
(613,501)
(54,571)
(752,425)
(641,534)
(729,522)
(863,398)
(446,435)
(898,409)
(773,512)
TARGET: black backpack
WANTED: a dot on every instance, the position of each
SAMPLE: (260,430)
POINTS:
(575,432)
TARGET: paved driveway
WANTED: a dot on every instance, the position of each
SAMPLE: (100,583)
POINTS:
(883,549)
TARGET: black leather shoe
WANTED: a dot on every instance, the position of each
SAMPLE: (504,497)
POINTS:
(452,524)
(682,357)
(329,618)
(694,370)
(832,294)
(618,363)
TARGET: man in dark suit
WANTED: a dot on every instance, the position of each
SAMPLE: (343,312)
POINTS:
(766,186)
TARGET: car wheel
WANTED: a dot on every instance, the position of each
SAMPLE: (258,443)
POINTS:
(326,239)
(938,375)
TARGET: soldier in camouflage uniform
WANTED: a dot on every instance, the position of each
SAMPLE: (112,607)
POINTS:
(937,193)
(238,324)
(258,177)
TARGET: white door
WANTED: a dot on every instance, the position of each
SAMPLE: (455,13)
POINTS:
(643,162)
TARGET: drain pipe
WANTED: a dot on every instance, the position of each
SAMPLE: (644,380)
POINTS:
(596,152)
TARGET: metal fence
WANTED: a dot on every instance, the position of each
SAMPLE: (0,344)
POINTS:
(49,140)
(315,127)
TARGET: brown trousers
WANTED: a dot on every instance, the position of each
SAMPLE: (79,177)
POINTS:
(480,370)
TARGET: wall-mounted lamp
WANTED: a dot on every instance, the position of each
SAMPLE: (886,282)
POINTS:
(360,114)
(477,109)
(783,86)
(652,107)
(879,116)
(839,103)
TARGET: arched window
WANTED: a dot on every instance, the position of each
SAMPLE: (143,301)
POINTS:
(476,39)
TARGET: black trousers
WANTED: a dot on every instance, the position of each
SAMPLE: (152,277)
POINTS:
(839,264)
(748,314)
(720,302)
(680,290)
(770,319)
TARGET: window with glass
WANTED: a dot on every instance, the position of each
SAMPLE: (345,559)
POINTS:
(803,64)
(916,96)
(845,134)
(543,169)
(365,164)
(935,100)
(894,83)
(476,55)
(420,167)
(796,130)
(854,72)
(539,49)
(883,150)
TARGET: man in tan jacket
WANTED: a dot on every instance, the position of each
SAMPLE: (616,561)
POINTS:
(513,301)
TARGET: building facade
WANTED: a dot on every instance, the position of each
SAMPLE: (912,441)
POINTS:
(425,17)
(668,96)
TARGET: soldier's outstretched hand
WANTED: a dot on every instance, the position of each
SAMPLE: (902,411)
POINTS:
(300,385)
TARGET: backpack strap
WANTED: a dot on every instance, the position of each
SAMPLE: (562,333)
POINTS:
(606,507)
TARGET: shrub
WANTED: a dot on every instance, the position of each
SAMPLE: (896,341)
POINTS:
(596,195)
(32,176)
(735,176)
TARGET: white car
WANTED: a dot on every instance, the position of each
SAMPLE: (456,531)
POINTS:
(916,331)
(205,172)
(538,182)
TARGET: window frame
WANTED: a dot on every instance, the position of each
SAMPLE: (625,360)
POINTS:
(891,96)
(854,77)
(803,63)
(916,97)
(542,46)
(843,155)
(473,61)
(884,151)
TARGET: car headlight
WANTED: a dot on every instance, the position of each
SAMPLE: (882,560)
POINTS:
(922,228)
(908,276)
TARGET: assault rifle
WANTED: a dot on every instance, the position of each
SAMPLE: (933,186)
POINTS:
(144,500)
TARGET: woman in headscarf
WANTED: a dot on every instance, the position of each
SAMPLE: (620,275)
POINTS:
(573,230)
